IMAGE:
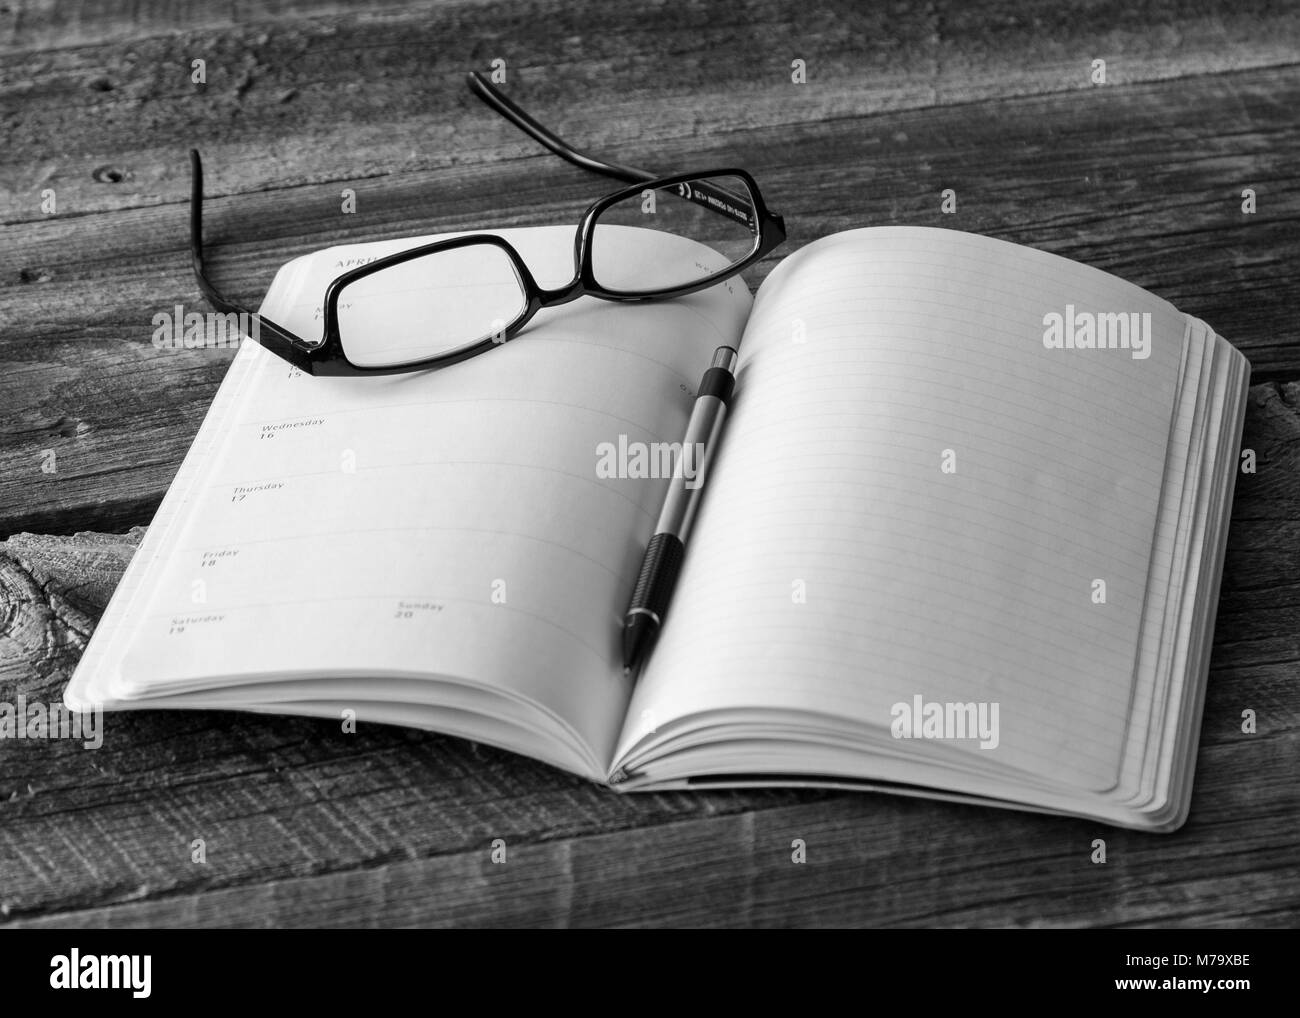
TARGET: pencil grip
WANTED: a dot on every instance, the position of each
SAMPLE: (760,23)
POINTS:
(662,563)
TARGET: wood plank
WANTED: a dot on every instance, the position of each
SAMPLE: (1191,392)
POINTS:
(356,95)
(870,862)
(1183,34)
(1158,203)
(306,826)
(47,25)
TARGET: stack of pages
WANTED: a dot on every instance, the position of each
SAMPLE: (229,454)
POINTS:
(962,535)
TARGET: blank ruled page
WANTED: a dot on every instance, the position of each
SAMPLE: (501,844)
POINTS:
(917,497)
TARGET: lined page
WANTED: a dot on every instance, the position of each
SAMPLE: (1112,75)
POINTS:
(916,496)
(449,523)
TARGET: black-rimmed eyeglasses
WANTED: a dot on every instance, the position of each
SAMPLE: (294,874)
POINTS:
(440,303)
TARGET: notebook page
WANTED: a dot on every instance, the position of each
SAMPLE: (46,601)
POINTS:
(838,567)
(1168,569)
(447,522)
(1165,575)
(1212,508)
(1230,408)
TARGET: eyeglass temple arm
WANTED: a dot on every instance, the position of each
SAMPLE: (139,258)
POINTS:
(484,89)
(275,338)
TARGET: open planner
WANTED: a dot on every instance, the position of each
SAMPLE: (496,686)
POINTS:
(961,537)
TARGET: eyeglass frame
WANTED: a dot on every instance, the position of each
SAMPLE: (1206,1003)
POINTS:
(327,357)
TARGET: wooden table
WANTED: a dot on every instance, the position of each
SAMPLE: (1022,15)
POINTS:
(1141,175)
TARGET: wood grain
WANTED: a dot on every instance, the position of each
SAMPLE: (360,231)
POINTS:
(306,826)
(291,98)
